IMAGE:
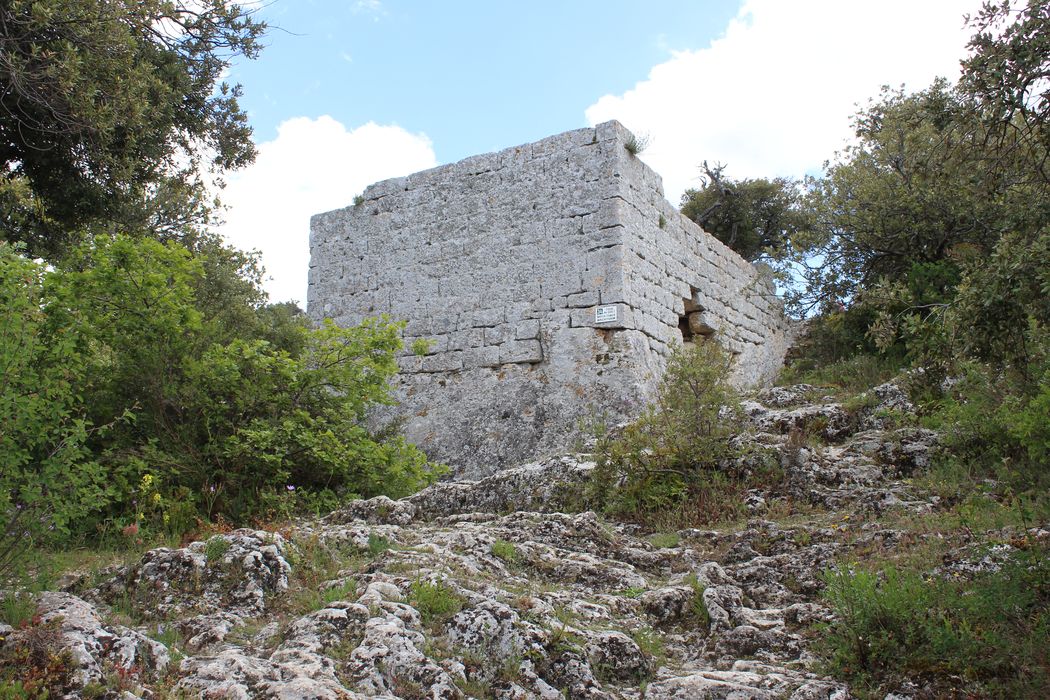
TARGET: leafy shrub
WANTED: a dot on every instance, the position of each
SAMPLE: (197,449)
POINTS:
(212,404)
(48,478)
(991,632)
(997,427)
(435,601)
(698,606)
(505,550)
(677,465)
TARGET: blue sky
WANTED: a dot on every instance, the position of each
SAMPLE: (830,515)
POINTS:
(473,76)
(349,92)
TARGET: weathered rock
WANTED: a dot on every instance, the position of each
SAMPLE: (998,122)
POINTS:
(482,589)
(615,656)
(95,646)
(540,486)
(234,573)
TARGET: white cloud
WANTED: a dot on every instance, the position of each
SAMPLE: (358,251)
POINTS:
(313,165)
(774,94)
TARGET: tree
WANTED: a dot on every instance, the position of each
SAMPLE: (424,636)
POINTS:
(48,478)
(912,199)
(1007,75)
(935,223)
(142,383)
(755,218)
(110,109)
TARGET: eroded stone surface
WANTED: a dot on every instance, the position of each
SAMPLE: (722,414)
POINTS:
(483,589)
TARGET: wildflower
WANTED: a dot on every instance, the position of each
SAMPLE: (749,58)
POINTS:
(290,487)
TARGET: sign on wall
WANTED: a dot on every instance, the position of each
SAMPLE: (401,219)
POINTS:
(606,314)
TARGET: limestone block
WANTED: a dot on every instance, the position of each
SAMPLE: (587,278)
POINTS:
(587,318)
(527,330)
(445,362)
(701,323)
(497,335)
(559,282)
(589,298)
(482,357)
(520,351)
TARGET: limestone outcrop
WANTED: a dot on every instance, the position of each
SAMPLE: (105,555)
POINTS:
(497,588)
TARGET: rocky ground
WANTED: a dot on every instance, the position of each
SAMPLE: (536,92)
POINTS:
(489,589)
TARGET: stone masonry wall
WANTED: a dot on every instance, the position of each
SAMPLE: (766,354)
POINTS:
(546,286)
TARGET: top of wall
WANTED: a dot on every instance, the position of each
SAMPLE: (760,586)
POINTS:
(487,162)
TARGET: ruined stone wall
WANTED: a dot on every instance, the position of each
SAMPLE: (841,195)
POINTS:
(674,270)
(546,286)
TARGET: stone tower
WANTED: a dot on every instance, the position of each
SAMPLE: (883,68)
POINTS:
(552,280)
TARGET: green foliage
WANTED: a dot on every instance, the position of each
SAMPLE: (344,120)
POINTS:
(849,374)
(215,548)
(755,217)
(1005,76)
(507,551)
(377,544)
(17,608)
(906,201)
(421,346)
(996,426)
(435,601)
(636,144)
(48,478)
(834,334)
(207,412)
(664,540)
(989,633)
(939,218)
(698,606)
(343,591)
(1001,312)
(677,464)
(110,107)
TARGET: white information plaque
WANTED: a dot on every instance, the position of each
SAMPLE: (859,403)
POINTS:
(606,314)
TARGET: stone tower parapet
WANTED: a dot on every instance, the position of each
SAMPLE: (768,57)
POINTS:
(551,280)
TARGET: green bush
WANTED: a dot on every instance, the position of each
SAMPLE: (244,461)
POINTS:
(435,601)
(996,426)
(48,478)
(507,551)
(213,404)
(677,465)
(991,632)
(698,606)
